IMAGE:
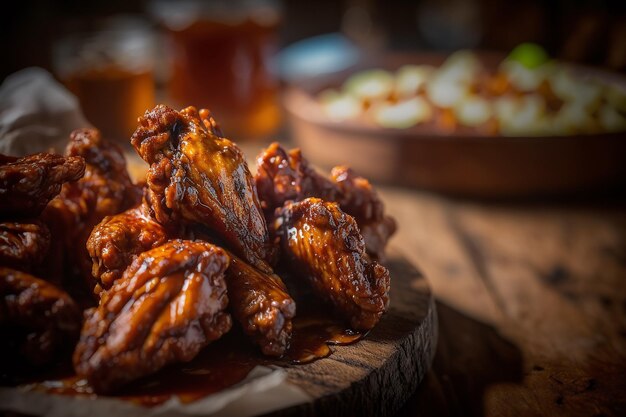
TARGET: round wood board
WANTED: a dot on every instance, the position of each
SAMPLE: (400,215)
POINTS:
(375,376)
(372,377)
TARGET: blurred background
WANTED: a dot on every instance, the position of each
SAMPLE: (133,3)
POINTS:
(350,81)
(528,121)
(161,44)
(580,30)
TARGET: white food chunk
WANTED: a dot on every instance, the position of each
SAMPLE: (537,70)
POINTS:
(523,116)
(523,78)
(403,114)
(585,93)
(473,111)
(370,85)
(338,106)
(611,120)
(410,78)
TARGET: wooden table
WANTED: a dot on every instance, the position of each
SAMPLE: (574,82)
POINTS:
(531,301)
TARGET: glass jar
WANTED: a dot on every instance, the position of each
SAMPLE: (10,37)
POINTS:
(111,71)
(220,59)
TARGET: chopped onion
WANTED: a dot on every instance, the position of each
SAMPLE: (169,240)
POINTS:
(610,119)
(616,97)
(522,116)
(522,77)
(461,67)
(410,78)
(445,92)
(370,85)
(569,88)
(403,114)
(339,106)
(573,117)
(473,111)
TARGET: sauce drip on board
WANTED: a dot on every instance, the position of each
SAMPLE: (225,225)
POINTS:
(222,364)
(314,329)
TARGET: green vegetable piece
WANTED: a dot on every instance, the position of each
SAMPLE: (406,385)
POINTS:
(529,55)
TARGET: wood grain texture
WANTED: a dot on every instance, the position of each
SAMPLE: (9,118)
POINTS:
(531,302)
(375,376)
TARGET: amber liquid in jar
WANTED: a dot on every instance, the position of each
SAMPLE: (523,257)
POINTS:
(224,66)
(110,69)
(113,98)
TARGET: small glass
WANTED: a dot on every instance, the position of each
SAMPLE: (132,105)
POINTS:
(220,59)
(111,71)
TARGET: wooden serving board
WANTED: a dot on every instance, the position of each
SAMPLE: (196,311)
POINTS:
(372,377)
(376,375)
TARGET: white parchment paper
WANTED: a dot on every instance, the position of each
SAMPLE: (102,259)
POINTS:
(264,390)
(36,113)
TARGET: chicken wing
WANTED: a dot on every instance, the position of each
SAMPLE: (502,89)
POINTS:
(261,304)
(359,199)
(283,176)
(210,123)
(27,184)
(168,305)
(104,190)
(106,187)
(323,243)
(37,320)
(24,244)
(117,240)
(287,176)
(198,177)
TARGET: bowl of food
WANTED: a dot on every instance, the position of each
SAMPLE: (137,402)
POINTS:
(472,123)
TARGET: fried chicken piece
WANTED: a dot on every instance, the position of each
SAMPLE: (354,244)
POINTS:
(117,240)
(37,320)
(376,235)
(259,301)
(359,199)
(23,245)
(198,177)
(261,304)
(324,243)
(105,189)
(210,123)
(283,177)
(287,176)
(27,184)
(169,304)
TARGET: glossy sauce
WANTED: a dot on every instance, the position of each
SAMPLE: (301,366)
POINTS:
(313,331)
(222,364)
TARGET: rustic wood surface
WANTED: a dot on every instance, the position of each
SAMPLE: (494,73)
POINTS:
(531,300)
(375,376)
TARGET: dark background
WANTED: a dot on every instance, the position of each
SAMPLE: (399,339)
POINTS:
(592,32)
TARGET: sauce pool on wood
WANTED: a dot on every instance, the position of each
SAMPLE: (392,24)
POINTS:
(220,365)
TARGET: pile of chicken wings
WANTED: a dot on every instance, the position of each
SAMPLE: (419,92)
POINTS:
(133,277)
